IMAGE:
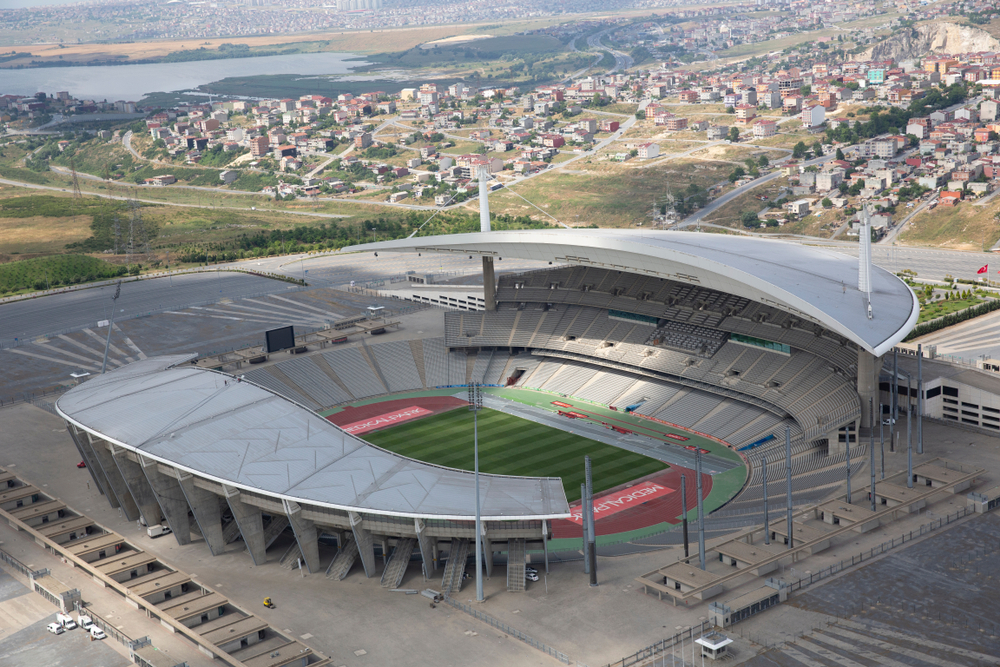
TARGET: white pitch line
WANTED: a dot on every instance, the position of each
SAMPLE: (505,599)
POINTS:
(78,344)
(114,348)
(303,305)
(128,341)
(25,353)
(271,307)
(303,317)
(66,353)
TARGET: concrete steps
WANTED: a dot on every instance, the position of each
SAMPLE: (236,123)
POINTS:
(454,570)
(515,565)
(392,576)
(343,561)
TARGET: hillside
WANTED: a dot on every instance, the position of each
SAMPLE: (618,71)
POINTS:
(933,37)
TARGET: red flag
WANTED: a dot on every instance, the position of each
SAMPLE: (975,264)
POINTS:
(985,269)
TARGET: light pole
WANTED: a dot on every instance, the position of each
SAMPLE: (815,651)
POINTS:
(111,324)
(476,404)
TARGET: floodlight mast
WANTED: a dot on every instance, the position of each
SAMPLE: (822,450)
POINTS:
(475,405)
(111,324)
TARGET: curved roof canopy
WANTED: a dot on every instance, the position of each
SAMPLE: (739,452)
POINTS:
(815,284)
(242,435)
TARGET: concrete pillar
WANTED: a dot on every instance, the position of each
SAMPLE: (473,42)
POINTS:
(171,500)
(868,369)
(138,486)
(489,284)
(488,553)
(251,523)
(87,454)
(305,534)
(205,508)
(426,545)
(115,480)
(366,544)
(835,443)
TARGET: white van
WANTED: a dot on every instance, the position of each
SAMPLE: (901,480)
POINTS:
(55,628)
(84,621)
(66,621)
(96,632)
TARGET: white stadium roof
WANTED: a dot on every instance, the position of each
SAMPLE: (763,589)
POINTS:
(816,284)
(242,435)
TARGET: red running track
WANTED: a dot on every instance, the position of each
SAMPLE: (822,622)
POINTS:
(436,404)
(658,510)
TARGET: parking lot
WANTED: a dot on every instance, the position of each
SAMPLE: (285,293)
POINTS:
(24,639)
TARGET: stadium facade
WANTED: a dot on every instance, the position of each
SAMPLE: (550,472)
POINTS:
(737,337)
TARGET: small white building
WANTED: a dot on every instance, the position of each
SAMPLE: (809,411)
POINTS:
(647,151)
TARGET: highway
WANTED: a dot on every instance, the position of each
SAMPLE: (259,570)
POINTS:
(623,61)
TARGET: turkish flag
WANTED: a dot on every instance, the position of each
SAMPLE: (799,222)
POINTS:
(984,269)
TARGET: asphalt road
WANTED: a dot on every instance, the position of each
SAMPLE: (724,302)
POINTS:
(45,316)
(717,203)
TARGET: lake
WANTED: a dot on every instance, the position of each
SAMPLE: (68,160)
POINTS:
(132,82)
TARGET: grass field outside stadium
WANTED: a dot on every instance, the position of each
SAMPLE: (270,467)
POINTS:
(509,445)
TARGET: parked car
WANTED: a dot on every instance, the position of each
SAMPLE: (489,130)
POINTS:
(530,576)
(97,633)
(55,628)
(81,464)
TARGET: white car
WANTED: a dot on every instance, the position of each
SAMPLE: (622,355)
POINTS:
(55,628)
(530,576)
(96,632)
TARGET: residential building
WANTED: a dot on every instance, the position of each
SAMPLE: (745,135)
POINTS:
(647,151)
(764,128)
(813,116)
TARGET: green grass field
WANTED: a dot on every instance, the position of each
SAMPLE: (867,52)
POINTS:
(510,445)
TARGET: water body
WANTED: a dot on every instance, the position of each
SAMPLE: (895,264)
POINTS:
(132,82)
(21,4)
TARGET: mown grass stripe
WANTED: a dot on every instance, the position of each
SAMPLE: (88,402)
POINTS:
(511,445)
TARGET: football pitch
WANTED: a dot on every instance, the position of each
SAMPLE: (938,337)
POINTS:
(510,445)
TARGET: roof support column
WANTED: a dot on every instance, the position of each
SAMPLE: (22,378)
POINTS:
(115,480)
(251,523)
(868,369)
(168,494)
(366,544)
(489,284)
(205,508)
(426,545)
(305,535)
(87,454)
(138,486)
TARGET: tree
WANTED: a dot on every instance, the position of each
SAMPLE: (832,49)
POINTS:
(805,90)
(730,110)
(734,134)
(817,149)
(749,219)
(799,150)
(840,154)
(737,174)
(826,203)
(993,136)
(763,161)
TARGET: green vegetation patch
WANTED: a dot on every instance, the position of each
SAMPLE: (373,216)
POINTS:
(54,271)
(510,445)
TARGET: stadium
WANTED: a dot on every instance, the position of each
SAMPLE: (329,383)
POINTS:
(642,350)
